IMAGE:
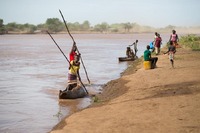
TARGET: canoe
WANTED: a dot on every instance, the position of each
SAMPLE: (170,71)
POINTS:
(126,59)
(77,92)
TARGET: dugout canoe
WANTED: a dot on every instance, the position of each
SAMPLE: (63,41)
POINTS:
(77,92)
(126,59)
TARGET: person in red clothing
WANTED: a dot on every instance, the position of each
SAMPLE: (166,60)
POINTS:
(158,42)
(73,52)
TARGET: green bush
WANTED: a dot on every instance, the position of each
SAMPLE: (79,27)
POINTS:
(191,41)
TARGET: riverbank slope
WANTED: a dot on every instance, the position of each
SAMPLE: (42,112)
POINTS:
(163,100)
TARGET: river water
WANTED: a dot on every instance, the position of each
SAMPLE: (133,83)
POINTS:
(33,70)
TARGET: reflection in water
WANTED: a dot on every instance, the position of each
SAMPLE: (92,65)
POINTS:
(33,71)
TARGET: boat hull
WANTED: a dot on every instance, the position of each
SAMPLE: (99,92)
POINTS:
(126,59)
(77,92)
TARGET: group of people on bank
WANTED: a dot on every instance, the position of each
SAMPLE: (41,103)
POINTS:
(155,46)
(74,56)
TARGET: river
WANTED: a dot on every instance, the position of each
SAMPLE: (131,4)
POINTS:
(33,70)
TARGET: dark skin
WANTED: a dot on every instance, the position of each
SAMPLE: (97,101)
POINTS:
(174,51)
(76,63)
(129,53)
(173,32)
(148,47)
(73,48)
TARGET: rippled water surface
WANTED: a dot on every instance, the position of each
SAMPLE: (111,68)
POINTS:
(33,70)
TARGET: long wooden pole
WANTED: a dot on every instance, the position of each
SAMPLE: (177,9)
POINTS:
(74,44)
(67,61)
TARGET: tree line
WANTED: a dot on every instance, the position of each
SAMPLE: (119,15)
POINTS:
(54,25)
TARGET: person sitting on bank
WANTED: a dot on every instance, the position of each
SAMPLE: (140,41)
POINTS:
(73,73)
(147,57)
(129,53)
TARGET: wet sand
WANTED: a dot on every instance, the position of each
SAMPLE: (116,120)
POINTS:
(159,100)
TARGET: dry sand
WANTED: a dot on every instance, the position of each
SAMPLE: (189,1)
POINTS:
(161,100)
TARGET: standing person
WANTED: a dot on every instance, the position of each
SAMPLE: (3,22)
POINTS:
(174,38)
(73,52)
(158,44)
(155,36)
(171,51)
(151,46)
(73,73)
(147,57)
(135,47)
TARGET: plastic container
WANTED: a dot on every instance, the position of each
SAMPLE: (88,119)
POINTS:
(147,65)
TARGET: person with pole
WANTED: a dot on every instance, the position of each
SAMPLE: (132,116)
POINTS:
(73,52)
(71,67)
(74,43)
(73,73)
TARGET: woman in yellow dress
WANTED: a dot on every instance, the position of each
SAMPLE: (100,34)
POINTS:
(73,73)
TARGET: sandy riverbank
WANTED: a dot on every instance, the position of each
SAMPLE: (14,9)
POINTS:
(159,100)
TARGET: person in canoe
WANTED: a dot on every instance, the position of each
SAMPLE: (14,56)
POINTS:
(73,52)
(73,90)
(129,53)
(73,73)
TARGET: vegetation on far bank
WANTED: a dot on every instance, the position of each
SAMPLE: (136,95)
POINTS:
(191,41)
(54,25)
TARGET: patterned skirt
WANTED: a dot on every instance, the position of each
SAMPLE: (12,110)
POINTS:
(72,78)
(171,56)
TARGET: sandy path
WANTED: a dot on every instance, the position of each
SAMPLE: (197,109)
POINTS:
(161,100)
